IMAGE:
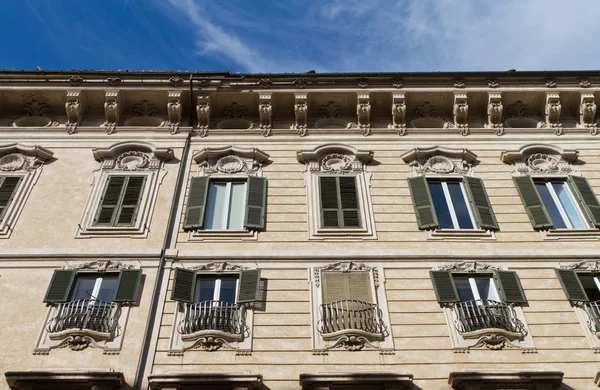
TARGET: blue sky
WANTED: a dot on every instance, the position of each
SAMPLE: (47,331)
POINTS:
(297,36)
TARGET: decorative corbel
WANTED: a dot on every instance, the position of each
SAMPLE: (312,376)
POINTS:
(300,113)
(461,112)
(203,112)
(587,113)
(174,111)
(398,113)
(494,113)
(363,113)
(112,110)
(552,112)
(265,111)
(74,109)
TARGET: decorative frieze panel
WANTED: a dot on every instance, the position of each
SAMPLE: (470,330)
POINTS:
(439,160)
(518,115)
(37,112)
(74,110)
(203,113)
(300,113)
(426,115)
(398,113)
(552,113)
(234,117)
(174,111)
(146,115)
(229,161)
(112,111)
(460,110)
(494,113)
(541,159)
(587,113)
(265,111)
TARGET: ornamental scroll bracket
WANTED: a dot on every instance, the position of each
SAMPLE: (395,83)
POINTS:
(112,110)
(203,113)
(174,111)
(460,110)
(363,113)
(74,110)
(398,113)
(552,112)
(300,113)
(494,113)
(587,113)
(265,112)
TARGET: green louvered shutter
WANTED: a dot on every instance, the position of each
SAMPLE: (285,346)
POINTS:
(444,287)
(571,285)
(109,203)
(509,287)
(8,188)
(194,214)
(128,285)
(481,203)
(256,203)
(130,201)
(533,203)
(419,191)
(249,285)
(349,201)
(60,286)
(330,211)
(587,198)
(184,282)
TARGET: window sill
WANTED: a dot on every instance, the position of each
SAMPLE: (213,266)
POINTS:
(222,235)
(109,231)
(570,234)
(343,233)
(460,234)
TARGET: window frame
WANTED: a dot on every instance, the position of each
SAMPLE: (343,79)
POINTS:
(116,214)
(450,203)
(228,180)
(573,197)
(339,209)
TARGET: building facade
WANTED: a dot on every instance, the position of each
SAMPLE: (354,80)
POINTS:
(173,230)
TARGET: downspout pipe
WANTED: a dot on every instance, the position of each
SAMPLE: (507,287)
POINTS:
(154,303)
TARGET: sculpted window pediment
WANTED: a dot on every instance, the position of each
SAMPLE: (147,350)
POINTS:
(334,158)
(230,160)
(540,159)
(439,160)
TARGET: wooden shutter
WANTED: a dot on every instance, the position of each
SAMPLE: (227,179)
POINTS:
(587,198)
(256,202)
(481,203)
(444,287)
(128,285)
(110,200)
(330,210)
(130,200)
(509,287)
(349,201)
(194,214)
(421,198)
(249,285)
(533,203)
(60,286)
(359,286)
(335,286)
(571,285)
(184,282)
(7,192)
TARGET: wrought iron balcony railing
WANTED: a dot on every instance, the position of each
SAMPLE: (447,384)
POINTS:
(486,314)
(94,315)
(350,314)
(212,315)
(593,311)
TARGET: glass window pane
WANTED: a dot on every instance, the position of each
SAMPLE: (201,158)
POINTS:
(108,288)
(213,215)
(567,202)
(464,289)
(590,286)
(551,208)
(205,289)
(84,287)
(439,204)
(228,289)
(237,205)
(461,209)
(486,289)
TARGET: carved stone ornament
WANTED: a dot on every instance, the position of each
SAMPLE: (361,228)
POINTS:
(234,117)
(265,111)
(174,111)
(494,341)
(398,113)
(460,110)
(300,83)
(587,113)
(203,113)
(230,160)
(593,266)
(336,163)
(75,80)
(492,83)
(133,161)
(79,340)
(494,113)
(458,83)
(101,265)
(230,165)
(519,110)
(74,110)
(330,115)
(37,112)
(219,267)
(440,165)
(265,83)
(113,80)
(426,114)
(363,113)
(362,82)
(13,162)
(585,83)
(112,111)
(543,163)
(352,343)
(300,114)
(211,344)
(132,156)
(550,82)
(19,157)
(176,80)
(468,266)
(398,83)
(344,267)
(541,158)
(552,113)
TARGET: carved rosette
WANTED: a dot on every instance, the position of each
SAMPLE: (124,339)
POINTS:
(440,164)
(265,111)
(203,113)
(344,267)
(587,113)
(552,113)
(460,111)
(363,113)
(300,113)
(174,111)
(494,113)
(112,111)
(74,110)
(543,163)
(398,113)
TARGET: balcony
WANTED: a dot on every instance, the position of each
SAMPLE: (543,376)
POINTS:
(484,317)
(593,311)
(212,324)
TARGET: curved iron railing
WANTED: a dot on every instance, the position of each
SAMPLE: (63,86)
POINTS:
(87,314)
(593,311)
(485,314)
(350,314)
(212,315)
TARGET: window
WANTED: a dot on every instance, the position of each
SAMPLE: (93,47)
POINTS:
(8,189)
(451,203)
(480,304)
(226,204)
(213,308)
(120,201)
(339,202)
(89,304)
(559,202)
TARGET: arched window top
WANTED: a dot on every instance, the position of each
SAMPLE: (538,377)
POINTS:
(525,152)
(331,155)
(116,150)
(439,160)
